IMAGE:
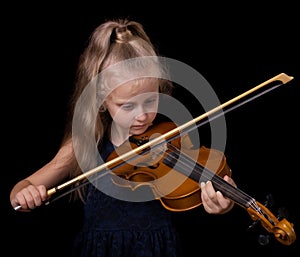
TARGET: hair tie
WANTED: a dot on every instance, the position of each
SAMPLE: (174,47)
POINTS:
(123,34)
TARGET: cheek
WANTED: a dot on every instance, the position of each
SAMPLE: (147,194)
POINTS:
(124,119)
(151,116)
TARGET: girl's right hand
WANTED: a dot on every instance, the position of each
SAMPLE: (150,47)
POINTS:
(29,198)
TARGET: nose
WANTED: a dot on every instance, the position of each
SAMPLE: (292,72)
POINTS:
(142,116)
(141,113)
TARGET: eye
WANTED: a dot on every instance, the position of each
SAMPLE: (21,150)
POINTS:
(151,101)
(128,106)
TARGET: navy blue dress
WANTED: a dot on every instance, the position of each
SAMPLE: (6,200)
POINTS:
(112,227)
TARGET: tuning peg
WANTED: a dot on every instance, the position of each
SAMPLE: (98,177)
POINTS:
(282,213)
(263,239)
(269,201)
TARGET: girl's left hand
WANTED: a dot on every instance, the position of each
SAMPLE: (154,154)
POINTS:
(213,201)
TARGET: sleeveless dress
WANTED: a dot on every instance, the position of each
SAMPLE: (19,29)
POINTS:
(117,228)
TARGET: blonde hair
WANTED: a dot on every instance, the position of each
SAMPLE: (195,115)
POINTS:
(112,42)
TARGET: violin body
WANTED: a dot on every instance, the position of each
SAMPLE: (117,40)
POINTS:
(176,190)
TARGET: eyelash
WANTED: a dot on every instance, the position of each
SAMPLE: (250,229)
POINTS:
(150,101)
(128,107)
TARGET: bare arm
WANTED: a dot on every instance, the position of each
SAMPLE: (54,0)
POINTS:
(32,191)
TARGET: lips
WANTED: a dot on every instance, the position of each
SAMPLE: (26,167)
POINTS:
(139,126)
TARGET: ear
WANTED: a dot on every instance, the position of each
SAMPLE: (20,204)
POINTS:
(103,107)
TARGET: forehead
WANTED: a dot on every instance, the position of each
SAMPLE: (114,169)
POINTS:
(134,88)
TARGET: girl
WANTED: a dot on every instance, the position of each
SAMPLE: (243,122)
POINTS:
(108,107)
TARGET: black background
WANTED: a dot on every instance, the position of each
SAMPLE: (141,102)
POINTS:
(235,47)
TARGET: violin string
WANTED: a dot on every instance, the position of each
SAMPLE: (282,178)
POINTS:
(251,202)
(227,189)
(232,192)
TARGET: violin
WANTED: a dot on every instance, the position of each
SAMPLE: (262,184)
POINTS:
(164,160)
(189,167)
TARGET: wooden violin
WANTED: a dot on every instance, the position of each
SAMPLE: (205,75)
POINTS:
(181,190)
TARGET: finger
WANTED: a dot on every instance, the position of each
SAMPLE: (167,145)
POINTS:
(207,199)
(210,192)
(43,192)
(24,198)
(36,198)
(229,180)
(19,202)
(29,197)
(222,201)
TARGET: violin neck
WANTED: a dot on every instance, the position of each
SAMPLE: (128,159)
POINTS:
(198,173)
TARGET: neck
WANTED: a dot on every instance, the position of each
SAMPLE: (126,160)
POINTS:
(118,135)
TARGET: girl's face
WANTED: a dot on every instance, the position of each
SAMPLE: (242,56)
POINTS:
(133,107)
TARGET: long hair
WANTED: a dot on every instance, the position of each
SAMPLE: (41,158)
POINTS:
(112,42)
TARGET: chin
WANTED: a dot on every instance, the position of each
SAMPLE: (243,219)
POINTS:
(138,131)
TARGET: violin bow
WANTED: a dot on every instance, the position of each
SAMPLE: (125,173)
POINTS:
(282,77)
